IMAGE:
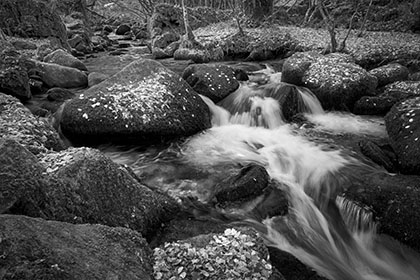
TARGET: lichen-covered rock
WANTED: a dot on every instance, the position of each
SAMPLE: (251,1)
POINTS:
(214,81)
(59,94)
(32,18)
(390,73)
(196,55)
(143,103)
(20,178)
(403,126)
(17,122)
(95,78)
(35,249)
(235,254)
(394,200)
(14,78)
(54,75)
(339,85)
(97,190)
(63,58)
(295,66)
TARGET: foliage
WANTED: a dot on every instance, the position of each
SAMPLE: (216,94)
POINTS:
(231,255)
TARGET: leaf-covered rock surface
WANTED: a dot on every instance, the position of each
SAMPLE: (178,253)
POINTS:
(235,254)
(35,249)
(390,73)
(34,133)
(403,126)
(143,103)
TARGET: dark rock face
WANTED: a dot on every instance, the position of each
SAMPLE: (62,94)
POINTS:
(249,183)
(35,249)
(377,155)
(63,58)
(403,126)
(122,29)
(390,73)
(339,85)
(214,81)
(14,78)
(20,179)
(96,190)
(33,18)
(394,202)
(144,102)
(35,134)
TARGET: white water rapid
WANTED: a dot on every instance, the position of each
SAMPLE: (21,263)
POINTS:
(323,230)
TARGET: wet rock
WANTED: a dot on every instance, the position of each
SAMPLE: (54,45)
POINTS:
(17,122)
(54,75)
(390,73)
(96,190)
(249,183)
(63,58)
(377,155)
(373,105)
(95,78)
(59,94)
(20,180)
(403,126)
(122,29)
(14,78)
(214,81)
(196,55)
(33,18)
(394,201)
(39,249)
(108,28)
(339,85)
(143,103)
(36,86)
(295,67)
(204,256)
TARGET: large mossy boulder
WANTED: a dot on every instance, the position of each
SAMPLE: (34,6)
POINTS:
(32,18)
(35,249)
(63,58)
(143,103)
(339,85)
(96,190)
(403,126)
(17,122)
(55,75)
(215,81)
(390,73)
(394,200)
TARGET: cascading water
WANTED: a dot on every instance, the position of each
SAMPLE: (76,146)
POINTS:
(328,233)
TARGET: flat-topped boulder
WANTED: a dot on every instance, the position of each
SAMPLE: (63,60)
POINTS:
(35,249)
(143,103)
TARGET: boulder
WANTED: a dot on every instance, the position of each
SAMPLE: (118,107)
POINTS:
(196,55)
(35,249)
(394,201)
(59,94)
(403,126)
(14,78)
(215,81)
(21,179)
(379,156)
(382,103)
(204,256)
(32,18)
(339,85)
(23,44)
(122,29)
(94,189)
(95,78)
(17,122)
(143,103)
(164,40)
(63,58)
(54,75)
(390,73)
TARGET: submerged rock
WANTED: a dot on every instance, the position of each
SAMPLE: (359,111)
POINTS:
(214,81)
(143,103)
(17,122)
(403,126)
(35,249)
(94,189)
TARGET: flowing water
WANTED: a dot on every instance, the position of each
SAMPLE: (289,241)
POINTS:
(325,231)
